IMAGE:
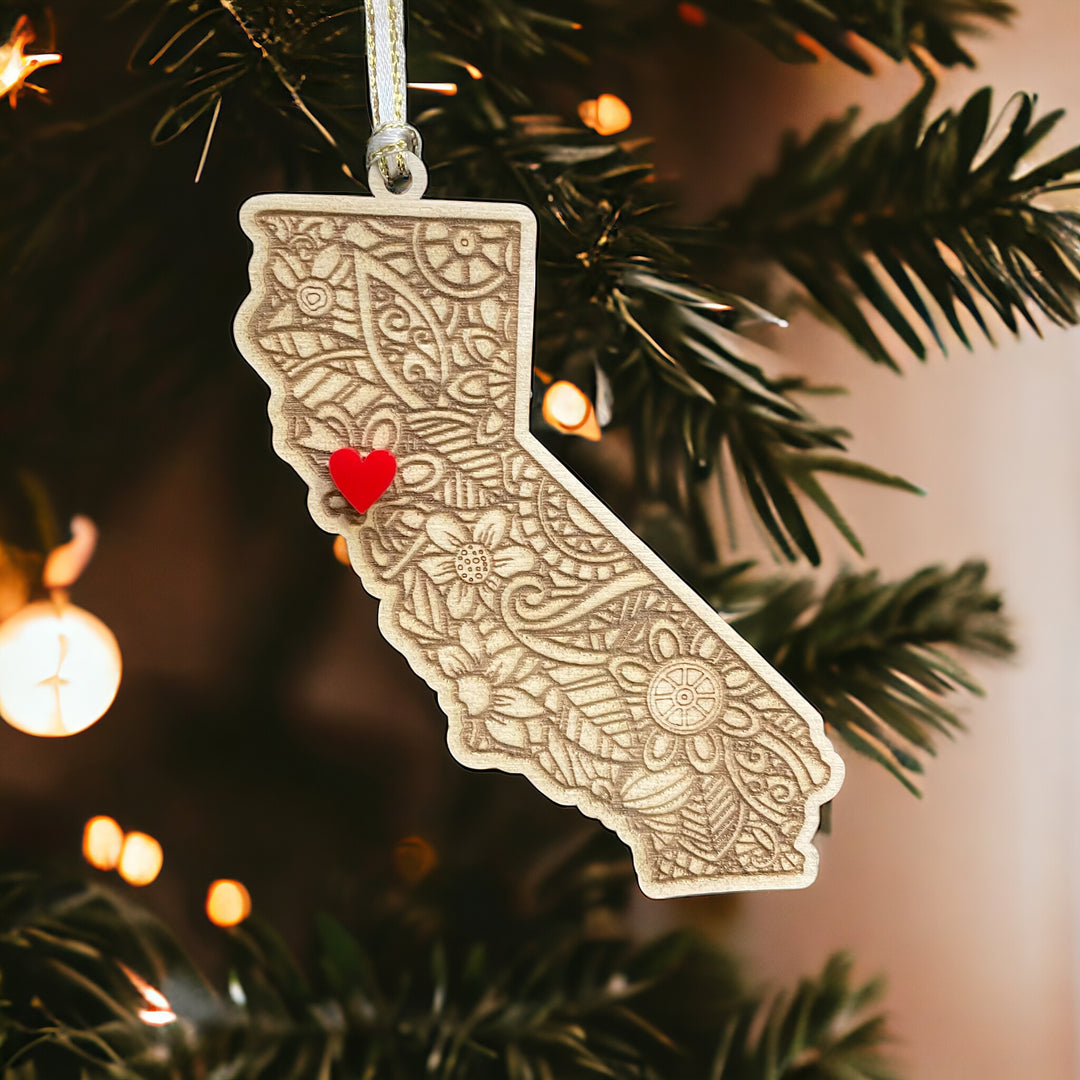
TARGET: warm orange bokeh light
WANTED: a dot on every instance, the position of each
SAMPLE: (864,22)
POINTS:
(341,550)
(474,71)
(157,1017)
(447,89)
(414,859)
(16,67)
(692,15)
(102,842)
(565,405)
(140,859)
(160,1011)
(60,668)
(568,409)
(606,115)
(228,903)
(66,562)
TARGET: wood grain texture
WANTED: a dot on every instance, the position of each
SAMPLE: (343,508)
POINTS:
(559,645)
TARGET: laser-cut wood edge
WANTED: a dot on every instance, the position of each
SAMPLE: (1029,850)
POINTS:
(320,485)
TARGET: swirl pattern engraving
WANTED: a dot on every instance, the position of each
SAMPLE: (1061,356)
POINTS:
(560,647)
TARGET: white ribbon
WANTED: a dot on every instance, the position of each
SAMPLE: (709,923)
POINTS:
(392,136)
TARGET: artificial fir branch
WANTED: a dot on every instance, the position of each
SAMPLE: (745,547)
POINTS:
(820,1033)
(904,213)
(872,656)
(797,30)
(406,999)
(910,212)
(306,59)
(794,30)
(615,293)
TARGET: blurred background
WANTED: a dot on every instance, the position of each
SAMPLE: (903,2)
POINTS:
(968,899)
(265,730)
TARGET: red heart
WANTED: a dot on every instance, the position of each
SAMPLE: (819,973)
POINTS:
(362,479)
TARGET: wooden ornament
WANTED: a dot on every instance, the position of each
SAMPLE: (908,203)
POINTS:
(559,645)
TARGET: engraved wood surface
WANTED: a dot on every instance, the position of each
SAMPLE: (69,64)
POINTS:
(559,645)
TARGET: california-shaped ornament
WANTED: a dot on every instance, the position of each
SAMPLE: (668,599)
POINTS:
(559,645)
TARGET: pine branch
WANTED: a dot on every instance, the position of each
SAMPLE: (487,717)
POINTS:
(690,386)
(908,212)
(874,657)
(309,60)
(491,29)
(616,282)
(408,999)
(613,287)
(797,30)
(820,1033)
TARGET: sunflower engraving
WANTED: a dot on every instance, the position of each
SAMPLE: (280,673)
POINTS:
(687,690)
(473,560)
(312,287)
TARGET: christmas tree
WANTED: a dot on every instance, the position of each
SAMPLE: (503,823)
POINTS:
(398,915)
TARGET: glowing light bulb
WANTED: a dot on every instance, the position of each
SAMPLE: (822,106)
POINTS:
(447,89)
(570,411)
(103,840)
(16,66)
(606,115)
(59,669)
(140,859)
(474,71)
(228,903)
(341,550)
(66,562)
(414,859)
(157,1017)
(160,1011)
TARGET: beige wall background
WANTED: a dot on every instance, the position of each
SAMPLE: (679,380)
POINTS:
(967,900)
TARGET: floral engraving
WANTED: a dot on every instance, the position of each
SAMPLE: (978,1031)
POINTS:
(558,645)
(473,559)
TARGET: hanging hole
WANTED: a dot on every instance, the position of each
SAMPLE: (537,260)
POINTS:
(410,183)
(398,185)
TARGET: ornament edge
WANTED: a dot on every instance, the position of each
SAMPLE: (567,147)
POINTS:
(317,485)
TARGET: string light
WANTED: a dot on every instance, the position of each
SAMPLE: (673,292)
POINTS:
(160,1011)
(16,66)
(473,70)
(341,550)
(606,115)
(447,89)
(228,903)
(140,859)
(103,840)
(67,562)
(692,15)
(59,668)
(414,859)
(567,409)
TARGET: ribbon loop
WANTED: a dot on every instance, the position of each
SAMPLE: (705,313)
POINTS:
(392,136)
